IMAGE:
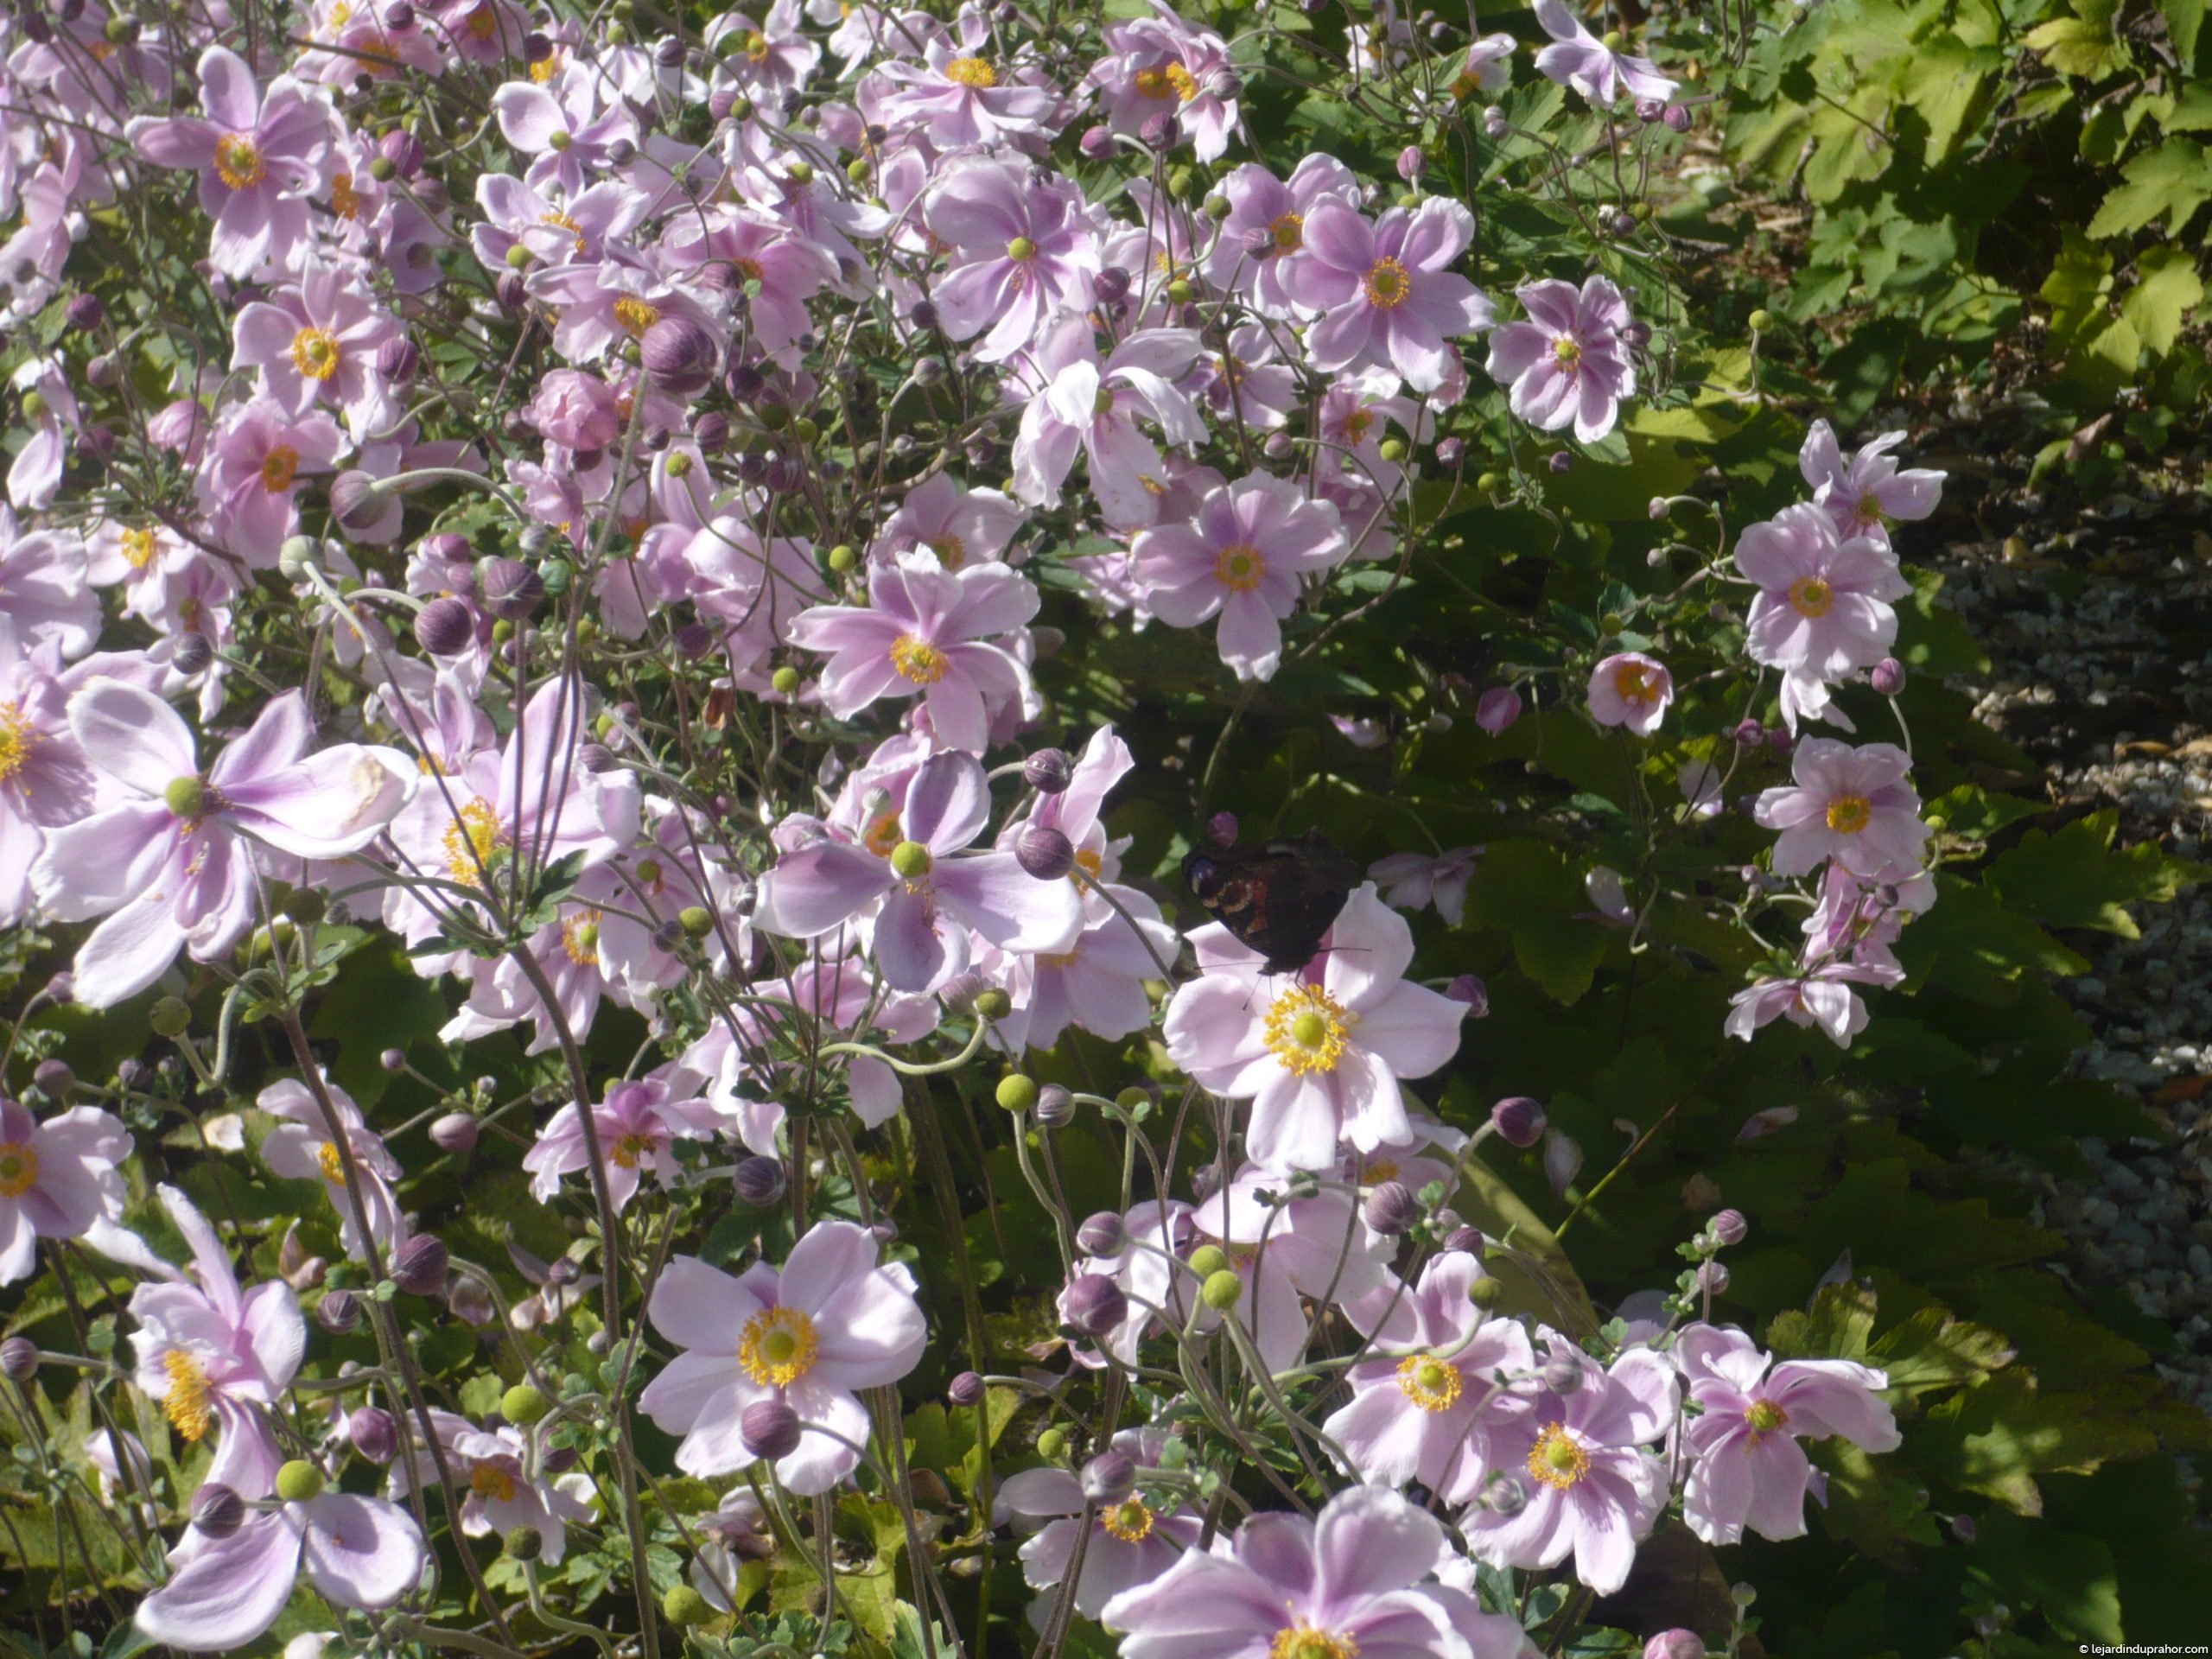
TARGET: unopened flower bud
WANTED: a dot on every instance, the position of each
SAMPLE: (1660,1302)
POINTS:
(1677,1644)
(678,354)
(470,1301)
(1221,828)
(1712,1278)
(770,1429)
(85,312)
(1749,734)
(1560,463)
(1649,110)
(399,360)
(1494,121)
(18,1359)
(1055,1107)
(419,1266)
(191,654)
(1411,163)
(1048,770)
(966,1390)
(522,1543)
(1498,708)
(1964,1529)
(339,1313)
(1093,1305)
(1888,677)
(1159,130)
(511,590)
(1104,1234)
(1450,452)
(354,502)
(445,627)
(454,1132)
(1728,1227)
(1096,143)
(1391,1209)
(374,1434)
(510,292)
(1109,1477)
(54,1077)
(217,1510)
(1044,852)
(1520,1120)
(1678,119)
(760,1181)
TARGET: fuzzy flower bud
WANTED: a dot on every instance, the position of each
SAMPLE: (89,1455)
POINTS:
(760,1181)
(445,627)
(454,1132)
(1093,1305)
(966,1390)
(678,354)
(1044,852)
(1391,1209)
(511,590)
(374,1434)
(1109,1478)
(770,1427)
(1104,1234)
(1888,677)
(217,1510)
(419,1266)
(1519,1120)
(18,1359)
(1048,770)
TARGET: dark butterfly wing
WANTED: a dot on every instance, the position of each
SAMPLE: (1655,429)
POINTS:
(1279,897)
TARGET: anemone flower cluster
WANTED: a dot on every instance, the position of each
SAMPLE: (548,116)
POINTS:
(576,527)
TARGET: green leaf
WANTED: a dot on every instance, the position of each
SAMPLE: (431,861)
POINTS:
(2171,181)
(1836,1327)
(1525,888)
(2079,47)
(2167,289)
(2184,22)
(1931,1350)
(2077,878)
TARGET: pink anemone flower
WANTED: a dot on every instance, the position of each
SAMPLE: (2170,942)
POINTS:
(1855,805)
(1319,1052)
(57,1179)
(831,1322)
(1567,363)
(1746,1467)
(1386,292)
(260,155)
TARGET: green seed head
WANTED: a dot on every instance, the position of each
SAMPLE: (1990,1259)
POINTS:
(1221,1290)
(298,1481)
(1017,1093)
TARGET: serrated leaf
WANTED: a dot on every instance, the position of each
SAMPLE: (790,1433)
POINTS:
(2077,878)
(2167,290)
(1931,1350)
(2171,182)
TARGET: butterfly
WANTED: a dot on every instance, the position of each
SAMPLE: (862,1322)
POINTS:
(1278,897)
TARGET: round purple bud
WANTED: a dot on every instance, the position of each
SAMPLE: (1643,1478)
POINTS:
(1109,1478)
(510,588)
(419,1266)
(1044,852)
(1221,828)
(1780,741)
(217,1510)
(1677,1644)
(679,354)
(1560,460)
(374,1434)
(1048,770)
(694,640)
(1888,677)
(770,1429)
(1519,1121)
(85,313)
(721,102)
(1649,110)
(1391,1209)
(445,627)
(711,432)
(510,291)
(1055,1107)
(1093,1305)
(18,1359)
(1161,130)
(1498,708)
(354,502)
(1450,452)
(1678,119)
(454,1131)
(760,1181)
(1411,163)
(404,150)
(1728,1227)
(1494,121)
(1104,1234)
(399,360)
(339,1313)
(54,1078)
(1096,143)
(1112,284)
(965,1390)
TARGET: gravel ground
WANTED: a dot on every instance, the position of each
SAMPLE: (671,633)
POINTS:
(2098,629)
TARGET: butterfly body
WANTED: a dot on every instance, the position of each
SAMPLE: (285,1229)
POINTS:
(1278,897)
